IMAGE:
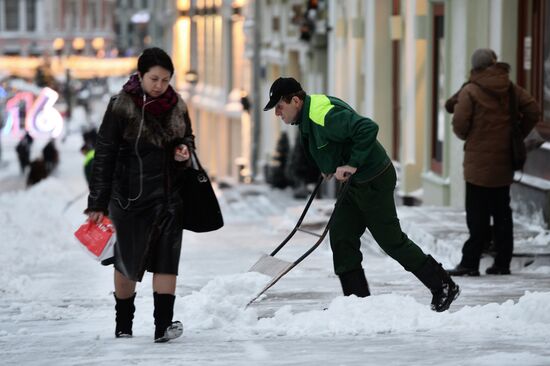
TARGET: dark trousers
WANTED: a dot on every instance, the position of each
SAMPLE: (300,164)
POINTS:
(482,203)
(371,205)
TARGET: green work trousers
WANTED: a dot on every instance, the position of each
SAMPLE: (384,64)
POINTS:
(370,205)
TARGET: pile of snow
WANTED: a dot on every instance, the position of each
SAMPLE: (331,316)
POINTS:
(220,305)
(35,236)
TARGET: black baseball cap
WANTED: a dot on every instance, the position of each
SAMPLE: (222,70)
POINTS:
(280,88)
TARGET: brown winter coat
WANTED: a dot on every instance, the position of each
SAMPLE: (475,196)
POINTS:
(482,119)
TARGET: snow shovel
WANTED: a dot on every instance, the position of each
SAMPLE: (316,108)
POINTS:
(276,268)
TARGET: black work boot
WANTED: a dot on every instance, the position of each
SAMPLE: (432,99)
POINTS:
(443,289)
(165,328)
(355,283)
(496,270)
(460,270)
(124,315)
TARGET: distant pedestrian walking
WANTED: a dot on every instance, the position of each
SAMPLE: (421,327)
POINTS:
(88,150)
(51,156)
(89,153)
(483,120)
(37,172)
(23,150)
(42,168)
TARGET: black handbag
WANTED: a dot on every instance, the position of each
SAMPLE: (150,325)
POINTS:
(519,152)
(201,208)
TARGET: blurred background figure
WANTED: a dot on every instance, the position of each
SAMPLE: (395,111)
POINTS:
(42,167)
(88,150)
(23,150)
(37,172)
(51,156)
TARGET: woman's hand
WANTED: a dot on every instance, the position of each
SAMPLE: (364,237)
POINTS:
(181,153)
(95,216)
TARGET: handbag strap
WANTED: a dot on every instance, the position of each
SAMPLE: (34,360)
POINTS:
(195,160)
(195,163)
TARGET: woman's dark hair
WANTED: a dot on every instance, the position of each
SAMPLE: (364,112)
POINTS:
(154,56)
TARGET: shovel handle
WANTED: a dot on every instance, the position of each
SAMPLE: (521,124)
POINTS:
(311,197)
(341,194)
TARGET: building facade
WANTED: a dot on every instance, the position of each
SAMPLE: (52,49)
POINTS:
(394,61)
(143,23)
(47,27)
(214,77)
(398,61)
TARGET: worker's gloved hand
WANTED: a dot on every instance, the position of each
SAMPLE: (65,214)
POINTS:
(344,172)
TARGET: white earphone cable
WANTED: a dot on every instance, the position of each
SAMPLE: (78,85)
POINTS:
(140,162)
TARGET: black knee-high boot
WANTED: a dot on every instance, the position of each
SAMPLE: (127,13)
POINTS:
(165,328)
(443,288)
(355,283)
(124,315)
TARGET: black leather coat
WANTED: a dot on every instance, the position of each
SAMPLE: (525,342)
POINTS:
(135,182)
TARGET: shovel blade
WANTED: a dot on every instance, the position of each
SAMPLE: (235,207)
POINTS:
(270,266)
(273,267)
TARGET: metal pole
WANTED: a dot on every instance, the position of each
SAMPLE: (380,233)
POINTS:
(256,120)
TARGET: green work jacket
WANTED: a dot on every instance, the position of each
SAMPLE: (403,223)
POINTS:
(334,135)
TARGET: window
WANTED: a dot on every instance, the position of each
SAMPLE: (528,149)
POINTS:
(31,15)
(533,63)
(545,68)
(72,16)
(11,8)
(92,11)
(438,83)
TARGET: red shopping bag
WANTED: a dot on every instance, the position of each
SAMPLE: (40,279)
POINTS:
(98,239)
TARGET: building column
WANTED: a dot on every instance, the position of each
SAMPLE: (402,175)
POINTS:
(376,83)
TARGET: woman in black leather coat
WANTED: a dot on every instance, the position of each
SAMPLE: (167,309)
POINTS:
(144,141)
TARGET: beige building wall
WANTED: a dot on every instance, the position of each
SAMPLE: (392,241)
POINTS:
(284,55)
(414,69)
(210,44)
(374,84)
(360,72)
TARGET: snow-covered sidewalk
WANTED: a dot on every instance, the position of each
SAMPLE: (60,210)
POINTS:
(56,303)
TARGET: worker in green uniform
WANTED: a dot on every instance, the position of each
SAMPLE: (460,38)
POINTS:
(343,144)
(89,152)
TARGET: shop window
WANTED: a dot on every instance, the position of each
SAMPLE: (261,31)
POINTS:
(31,15)
(11,8)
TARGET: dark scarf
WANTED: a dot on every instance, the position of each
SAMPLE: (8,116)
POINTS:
(156,106)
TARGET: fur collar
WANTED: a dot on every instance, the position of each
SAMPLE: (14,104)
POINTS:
(156,130)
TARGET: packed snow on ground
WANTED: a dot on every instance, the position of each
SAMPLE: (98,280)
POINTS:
(56,304)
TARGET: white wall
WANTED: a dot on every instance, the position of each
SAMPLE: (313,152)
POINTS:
(377,68)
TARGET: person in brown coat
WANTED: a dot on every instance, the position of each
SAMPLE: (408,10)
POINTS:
(482,119)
